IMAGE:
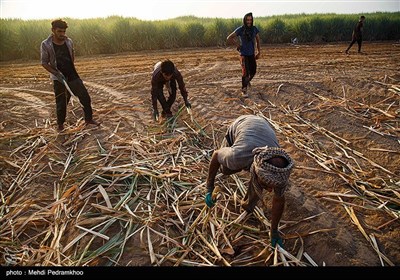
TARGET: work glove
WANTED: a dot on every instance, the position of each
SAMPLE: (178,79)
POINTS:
(209,201)
(60,77)
(276,239)
(188,105)
(155,115)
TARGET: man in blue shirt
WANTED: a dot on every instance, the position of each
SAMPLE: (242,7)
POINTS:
(247,40)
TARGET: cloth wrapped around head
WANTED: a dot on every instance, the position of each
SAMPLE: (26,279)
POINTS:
(271,175)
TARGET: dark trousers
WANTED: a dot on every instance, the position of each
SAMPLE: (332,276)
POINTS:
(359,42)
(249,68)
(63,96)
(158,94)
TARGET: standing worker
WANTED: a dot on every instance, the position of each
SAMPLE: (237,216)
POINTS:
(57,57)
(356,36)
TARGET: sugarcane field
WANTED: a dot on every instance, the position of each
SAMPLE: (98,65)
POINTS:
(130,192)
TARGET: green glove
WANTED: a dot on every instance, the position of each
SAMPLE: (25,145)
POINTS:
(276,239)
(209,201)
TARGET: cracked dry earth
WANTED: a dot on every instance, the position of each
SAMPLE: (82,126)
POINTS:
(338,116)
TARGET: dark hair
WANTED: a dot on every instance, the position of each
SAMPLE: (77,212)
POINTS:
(362,17)
(278,161)
(248,15)
(59,23)
(167,67)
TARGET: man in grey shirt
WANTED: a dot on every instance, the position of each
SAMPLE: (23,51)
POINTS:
(57,57)
(250,144)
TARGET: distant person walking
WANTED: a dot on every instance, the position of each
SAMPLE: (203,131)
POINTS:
(57,57)
(357,35)
(247,40)
(165,73)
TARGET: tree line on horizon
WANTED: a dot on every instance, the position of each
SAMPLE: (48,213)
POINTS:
(20,39)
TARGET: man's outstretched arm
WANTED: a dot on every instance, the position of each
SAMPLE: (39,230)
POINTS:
(212,171)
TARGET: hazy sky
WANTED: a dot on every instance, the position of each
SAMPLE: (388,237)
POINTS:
(156,9)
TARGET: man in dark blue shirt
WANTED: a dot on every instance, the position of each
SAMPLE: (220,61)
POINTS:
(247,40)
(356,36)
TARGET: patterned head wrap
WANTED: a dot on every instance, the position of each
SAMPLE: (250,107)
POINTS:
(269,174)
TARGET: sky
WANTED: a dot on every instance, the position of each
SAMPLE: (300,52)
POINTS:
(160,10)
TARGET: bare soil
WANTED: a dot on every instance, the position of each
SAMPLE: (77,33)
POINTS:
(338,118)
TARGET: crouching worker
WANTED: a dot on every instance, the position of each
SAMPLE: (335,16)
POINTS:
(165,73)
(250,144)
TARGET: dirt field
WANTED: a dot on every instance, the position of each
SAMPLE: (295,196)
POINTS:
(337,115)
